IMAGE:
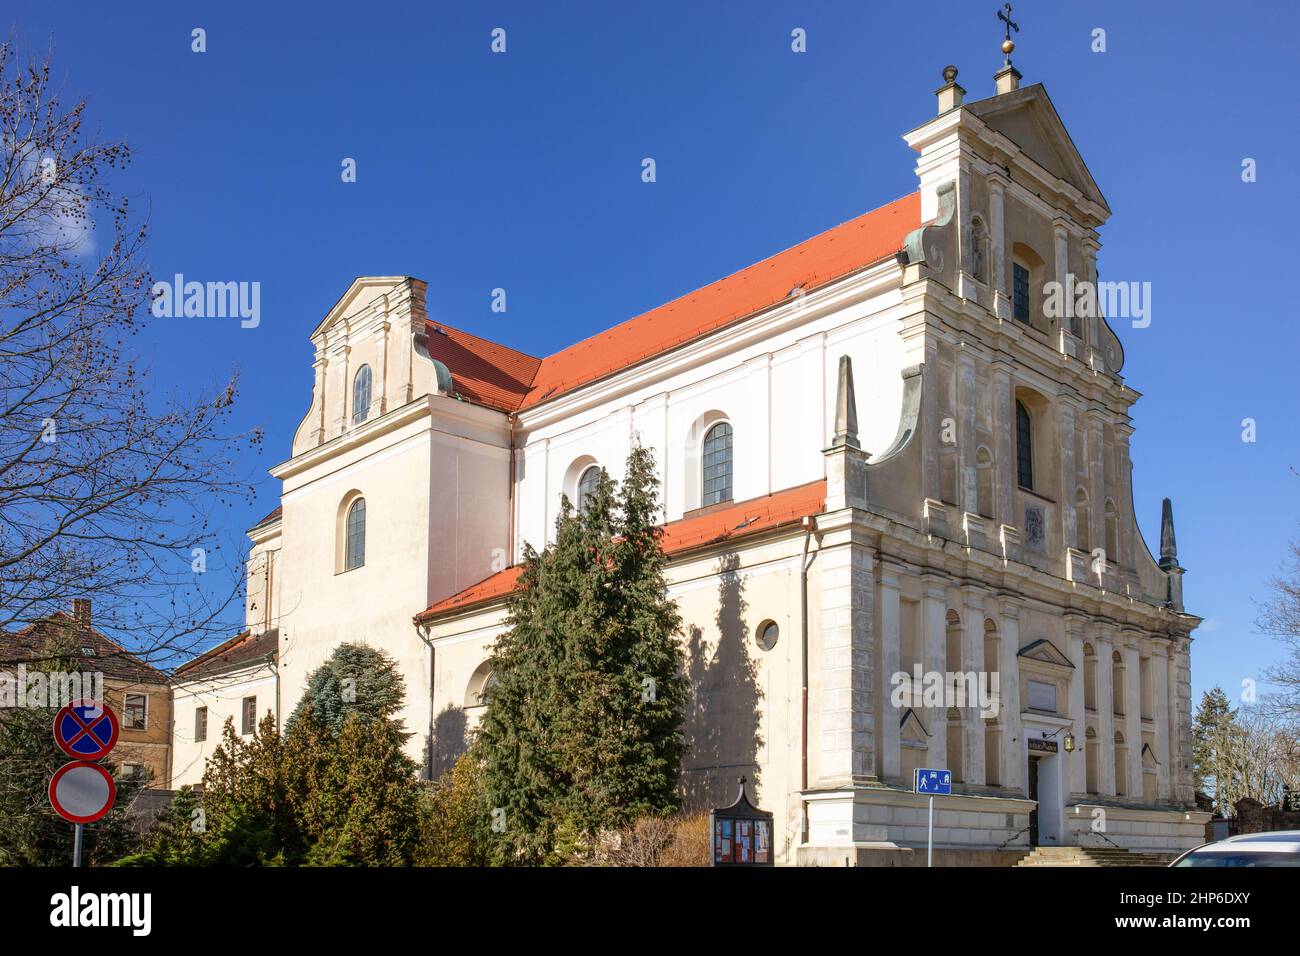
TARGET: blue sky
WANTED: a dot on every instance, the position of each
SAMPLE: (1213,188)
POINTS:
(522,171)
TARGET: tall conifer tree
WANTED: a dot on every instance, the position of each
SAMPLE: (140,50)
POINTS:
(582,732)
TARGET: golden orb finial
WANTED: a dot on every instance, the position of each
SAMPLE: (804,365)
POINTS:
(1008,46)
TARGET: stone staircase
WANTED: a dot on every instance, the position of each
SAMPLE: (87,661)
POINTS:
(1092,856)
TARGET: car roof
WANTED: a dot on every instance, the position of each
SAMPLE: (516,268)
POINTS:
(1276,840)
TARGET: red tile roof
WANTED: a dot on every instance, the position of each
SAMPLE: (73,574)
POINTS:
(483,372)
(243,648)
(733,521)
(491,374)
(105,655)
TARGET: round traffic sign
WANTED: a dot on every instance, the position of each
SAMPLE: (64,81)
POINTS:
(85,730)
(82,792)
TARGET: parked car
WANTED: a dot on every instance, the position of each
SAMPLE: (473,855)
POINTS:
(1280,848)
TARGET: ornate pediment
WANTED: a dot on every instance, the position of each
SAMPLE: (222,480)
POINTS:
(911,730)
(1028,118)
(1044,651)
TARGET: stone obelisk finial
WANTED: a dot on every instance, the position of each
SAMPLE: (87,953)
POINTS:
(846,408)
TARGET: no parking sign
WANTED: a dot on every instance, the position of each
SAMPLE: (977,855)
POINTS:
(85,730)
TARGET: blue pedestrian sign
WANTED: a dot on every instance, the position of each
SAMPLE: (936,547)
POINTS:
(85,730)
(934,782)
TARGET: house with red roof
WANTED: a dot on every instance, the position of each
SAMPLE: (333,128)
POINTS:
(897,504)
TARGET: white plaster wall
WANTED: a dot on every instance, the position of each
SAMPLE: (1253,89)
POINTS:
(223,696)
(777,391)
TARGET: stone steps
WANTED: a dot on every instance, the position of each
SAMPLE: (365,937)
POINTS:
(1091,856)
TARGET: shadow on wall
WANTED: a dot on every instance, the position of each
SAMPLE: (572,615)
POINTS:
(722,724)
(448,741)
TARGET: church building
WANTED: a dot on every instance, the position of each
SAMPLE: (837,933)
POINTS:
(898,507)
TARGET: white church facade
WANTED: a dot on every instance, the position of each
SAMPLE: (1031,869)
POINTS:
(883,457)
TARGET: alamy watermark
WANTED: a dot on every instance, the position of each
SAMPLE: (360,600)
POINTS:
(208,300)
(47,690)
(1081,299)
(946,689)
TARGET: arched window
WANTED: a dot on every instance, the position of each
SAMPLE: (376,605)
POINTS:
(1089,677)
(480,682)
(1117,684)
(952,642)
(1121,765)
(354,551)
(1082,521)
(361,395)
(716,459)
(1092,760)
(979,250)
(587,486)
(1020,292)
(984,482)
(1024,447)
(1112,532)
(991,646)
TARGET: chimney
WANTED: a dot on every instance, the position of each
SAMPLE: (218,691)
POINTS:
(81,611)
(950,93)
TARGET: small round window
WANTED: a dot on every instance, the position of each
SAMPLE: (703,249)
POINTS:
(767,634)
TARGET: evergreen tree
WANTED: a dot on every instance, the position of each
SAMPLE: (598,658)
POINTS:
(582,732)
(176,836)
(356,679)
(454,823)
(1213,733)
(248,812)
(355,795)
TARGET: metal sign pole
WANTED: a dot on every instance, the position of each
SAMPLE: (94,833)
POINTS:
(76,844)
(929,837)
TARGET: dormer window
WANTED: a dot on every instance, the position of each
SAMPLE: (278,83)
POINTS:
(361,395)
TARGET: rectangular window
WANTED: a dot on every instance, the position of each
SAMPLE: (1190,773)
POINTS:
(1020,292)
(249,715)
(135,712)
(1042,696)
(200,724)
(132,771)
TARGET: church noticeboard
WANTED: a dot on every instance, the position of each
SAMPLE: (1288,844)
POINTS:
(741,834)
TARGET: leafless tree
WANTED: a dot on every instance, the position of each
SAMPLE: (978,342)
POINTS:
(107,487)
(1281,618)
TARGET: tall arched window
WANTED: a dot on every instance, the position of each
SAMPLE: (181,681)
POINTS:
(354,552)
(1082,521)
(984,482)
(587,486)
(716,459)
(1024,447)
(1112,532)
(1092,761)
(361,395)
(1089,677)
(1117,684)
(979,250)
